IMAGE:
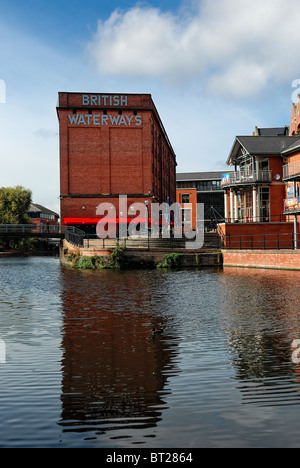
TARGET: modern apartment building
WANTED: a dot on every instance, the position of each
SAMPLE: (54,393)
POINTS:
(201,187)
(255,189)
(256,213)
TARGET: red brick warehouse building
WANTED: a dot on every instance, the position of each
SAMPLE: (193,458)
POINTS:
(111,145)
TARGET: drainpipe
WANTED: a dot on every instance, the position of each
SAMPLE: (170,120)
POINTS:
(231,207)
(236,213)
(295,221)
(254,196)
(226,206)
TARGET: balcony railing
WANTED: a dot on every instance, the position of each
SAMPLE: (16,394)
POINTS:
(290,171)
(246,177)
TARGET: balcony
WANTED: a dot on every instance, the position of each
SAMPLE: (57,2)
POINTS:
(246,178)
(292,206)
(291,171)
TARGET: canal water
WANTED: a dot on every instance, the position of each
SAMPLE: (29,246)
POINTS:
(80,366)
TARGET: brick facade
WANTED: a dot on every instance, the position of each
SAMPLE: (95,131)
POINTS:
(187,200)
(111,145)
(295,118)
(272,259)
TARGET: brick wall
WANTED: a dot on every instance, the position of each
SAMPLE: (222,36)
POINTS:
(258,235)
(115,145)
(286,260)
(192,203)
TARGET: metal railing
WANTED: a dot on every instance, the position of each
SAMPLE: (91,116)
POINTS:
(211,241)
(74,235)
(247,177)
(277,241)
(291,170)
(257,219)
(69,232)
(17,228)
(32,228)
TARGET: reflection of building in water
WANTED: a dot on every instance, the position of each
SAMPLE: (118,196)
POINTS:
(260,336)
(114,371)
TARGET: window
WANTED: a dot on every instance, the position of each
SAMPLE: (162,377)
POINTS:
(46,216)
(185,198)
(264,165)
(265,204)
(186,216)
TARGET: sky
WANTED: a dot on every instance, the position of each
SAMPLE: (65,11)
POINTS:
(215,70)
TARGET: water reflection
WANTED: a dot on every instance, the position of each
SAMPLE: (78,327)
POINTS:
(114,371)
(83,369)
(262,320)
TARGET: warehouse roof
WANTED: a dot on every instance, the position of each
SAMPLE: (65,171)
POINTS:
(188,176)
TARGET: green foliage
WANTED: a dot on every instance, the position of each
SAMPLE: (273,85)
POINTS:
(115,261)
(22,244)
(170,261)
(85,263)
(14,203)
(116,258)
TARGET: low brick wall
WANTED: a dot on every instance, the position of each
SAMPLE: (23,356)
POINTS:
(272,259)
(258,236)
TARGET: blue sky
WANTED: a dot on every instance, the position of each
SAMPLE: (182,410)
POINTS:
(214,69)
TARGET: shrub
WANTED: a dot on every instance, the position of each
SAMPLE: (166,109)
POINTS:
(170,261)
(85,263)
(115,261)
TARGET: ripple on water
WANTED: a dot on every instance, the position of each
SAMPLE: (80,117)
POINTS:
(83,369)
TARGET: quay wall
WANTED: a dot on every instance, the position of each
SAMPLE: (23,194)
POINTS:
(270,259)
(147,257)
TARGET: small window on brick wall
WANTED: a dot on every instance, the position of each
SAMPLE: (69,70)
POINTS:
(185,198)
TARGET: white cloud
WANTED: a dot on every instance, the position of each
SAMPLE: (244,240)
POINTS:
(240,79)
(235,47)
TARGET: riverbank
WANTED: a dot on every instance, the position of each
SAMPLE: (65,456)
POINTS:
(29,253)
(178,258)
(150,258)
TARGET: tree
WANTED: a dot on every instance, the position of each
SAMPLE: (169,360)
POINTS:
(14,203)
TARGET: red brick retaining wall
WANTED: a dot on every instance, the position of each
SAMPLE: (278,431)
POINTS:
(273,259)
